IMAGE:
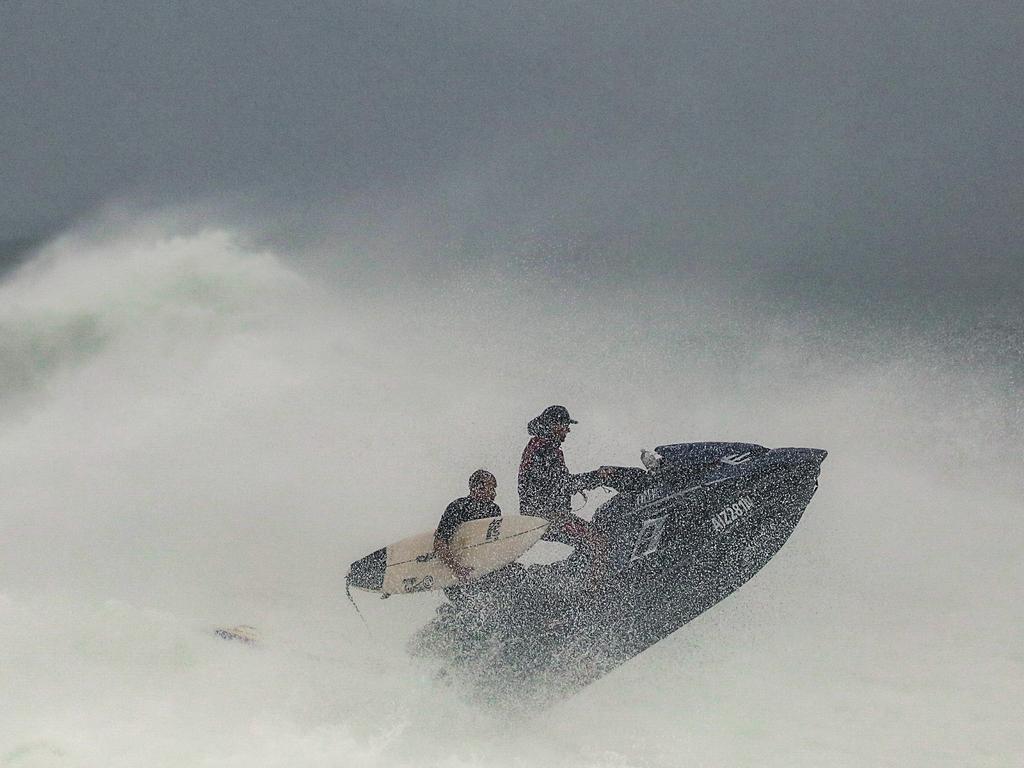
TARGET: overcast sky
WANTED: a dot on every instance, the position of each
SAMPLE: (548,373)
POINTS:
(856,151)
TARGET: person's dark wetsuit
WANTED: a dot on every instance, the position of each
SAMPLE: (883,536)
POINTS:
(461,511)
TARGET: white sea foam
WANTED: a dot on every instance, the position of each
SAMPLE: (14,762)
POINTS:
(198,432)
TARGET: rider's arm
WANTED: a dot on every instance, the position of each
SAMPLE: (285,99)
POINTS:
(587,481)
(444,552)
(443,542)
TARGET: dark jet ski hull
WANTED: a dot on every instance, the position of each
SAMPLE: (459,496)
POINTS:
(680,538)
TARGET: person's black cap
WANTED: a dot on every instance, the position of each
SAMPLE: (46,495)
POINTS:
(556,414)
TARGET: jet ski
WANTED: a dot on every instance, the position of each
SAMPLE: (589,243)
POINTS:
(679,535)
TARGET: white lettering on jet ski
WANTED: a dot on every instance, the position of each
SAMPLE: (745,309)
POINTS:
(736,458)
(648,495)
(731,514)
(649,538)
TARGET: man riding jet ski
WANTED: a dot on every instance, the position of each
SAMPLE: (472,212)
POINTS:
(681,533)
(546,487)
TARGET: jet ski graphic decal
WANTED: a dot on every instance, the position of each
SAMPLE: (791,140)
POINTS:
(736,458)
(649,539)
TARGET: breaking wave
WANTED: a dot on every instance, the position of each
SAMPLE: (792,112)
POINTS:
(198,432)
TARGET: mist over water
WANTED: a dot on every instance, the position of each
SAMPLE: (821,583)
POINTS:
(274,281)
(196,431)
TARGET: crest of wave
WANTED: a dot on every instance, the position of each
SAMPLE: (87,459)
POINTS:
(189,432)
(196,431)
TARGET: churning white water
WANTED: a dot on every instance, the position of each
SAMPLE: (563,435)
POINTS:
(195,432)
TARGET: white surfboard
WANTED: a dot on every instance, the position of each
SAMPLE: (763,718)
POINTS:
(411,565)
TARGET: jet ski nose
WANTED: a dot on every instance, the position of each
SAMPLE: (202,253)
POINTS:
(805,459)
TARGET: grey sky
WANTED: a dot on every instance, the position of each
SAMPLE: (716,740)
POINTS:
(857,149)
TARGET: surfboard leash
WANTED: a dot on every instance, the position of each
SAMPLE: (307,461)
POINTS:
(354,605)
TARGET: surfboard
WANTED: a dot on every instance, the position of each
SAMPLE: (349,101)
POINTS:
(411,565)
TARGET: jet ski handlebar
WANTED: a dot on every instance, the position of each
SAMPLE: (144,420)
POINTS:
(621,478)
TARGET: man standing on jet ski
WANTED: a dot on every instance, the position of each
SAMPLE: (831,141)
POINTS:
(546,486)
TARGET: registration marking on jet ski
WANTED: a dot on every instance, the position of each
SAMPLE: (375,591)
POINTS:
(731,514)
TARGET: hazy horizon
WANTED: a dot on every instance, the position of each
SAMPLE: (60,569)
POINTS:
(273,281)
